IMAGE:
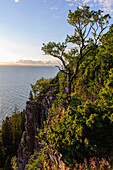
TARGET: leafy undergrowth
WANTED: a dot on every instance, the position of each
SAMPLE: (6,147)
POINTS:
(83,131)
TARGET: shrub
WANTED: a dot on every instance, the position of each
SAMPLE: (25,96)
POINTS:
(82,132)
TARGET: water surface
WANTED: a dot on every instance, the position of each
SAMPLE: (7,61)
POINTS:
(15,85)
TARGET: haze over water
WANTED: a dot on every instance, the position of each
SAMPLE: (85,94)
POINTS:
(15,85)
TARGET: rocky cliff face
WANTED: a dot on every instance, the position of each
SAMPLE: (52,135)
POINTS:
(35,112)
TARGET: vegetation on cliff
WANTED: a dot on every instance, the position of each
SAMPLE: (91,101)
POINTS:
(80,124)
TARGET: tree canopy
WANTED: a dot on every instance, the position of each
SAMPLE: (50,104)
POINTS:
(89,27)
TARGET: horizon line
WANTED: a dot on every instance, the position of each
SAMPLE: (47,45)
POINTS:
(27,64)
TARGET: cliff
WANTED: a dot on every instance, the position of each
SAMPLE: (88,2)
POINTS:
(35,112)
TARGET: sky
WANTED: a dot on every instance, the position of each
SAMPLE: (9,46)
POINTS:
(26,24)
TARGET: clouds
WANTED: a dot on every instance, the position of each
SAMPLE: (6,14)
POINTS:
(86,1)
(55,16)
(71,4)
(105,5)
(16,1)
(54,8)
(39,62)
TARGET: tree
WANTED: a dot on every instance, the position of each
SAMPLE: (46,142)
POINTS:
(41,85)
(7,135)
(10,136)
(89,26)
(30,95)
(2,151)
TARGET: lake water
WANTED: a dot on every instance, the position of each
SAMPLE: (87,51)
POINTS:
(15,85)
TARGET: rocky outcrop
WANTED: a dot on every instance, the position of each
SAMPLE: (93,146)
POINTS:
(56,160)
(35,112)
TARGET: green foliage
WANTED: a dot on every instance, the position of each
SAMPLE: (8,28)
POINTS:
(37,160)
(30,95)
(87,22)
(82,132)
(89,26)
(8,163)
(2,151)
(14,163)
(54,84)
(54,48)
(62,95)
(11,133)
(7,135)
(12,129)
(41,85)
(85,128)
(94,70)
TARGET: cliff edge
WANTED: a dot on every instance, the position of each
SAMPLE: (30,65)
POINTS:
(35,112)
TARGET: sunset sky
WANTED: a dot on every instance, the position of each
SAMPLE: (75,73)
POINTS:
(26,24)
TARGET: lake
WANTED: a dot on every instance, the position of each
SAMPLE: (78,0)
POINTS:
(15,85)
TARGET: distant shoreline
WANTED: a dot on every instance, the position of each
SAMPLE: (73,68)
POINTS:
(30,63)
(27,65)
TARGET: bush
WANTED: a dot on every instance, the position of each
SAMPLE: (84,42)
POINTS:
(83,131)
(41,85)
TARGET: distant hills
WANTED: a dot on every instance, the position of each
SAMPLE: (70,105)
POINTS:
(31,62)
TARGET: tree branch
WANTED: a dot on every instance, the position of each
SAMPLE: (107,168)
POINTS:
(62,60)
(74,75)
(92,48)
(61,70)
(88,32)
(78,62)
(100,33)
